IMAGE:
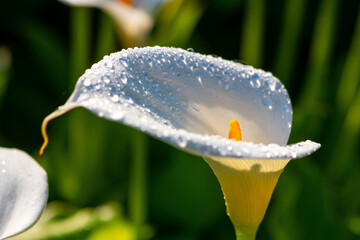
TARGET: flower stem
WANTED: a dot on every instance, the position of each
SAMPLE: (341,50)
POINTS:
(137,191)
(245,234)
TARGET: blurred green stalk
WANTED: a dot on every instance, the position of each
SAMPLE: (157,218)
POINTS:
(106,42)
(138,178)
(289,42)
(176,22)
(344,153)
(348,109)
(79,60)
(80,44)
(320,51)
(315,87)
(350,78)
(251,47)
(5,66)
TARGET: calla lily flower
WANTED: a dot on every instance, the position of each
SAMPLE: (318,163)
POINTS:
(134,19)
(188,100)
(23,192)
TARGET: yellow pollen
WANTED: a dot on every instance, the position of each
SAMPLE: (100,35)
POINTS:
(234,130)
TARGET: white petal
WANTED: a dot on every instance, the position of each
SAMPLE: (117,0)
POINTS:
(188,99)
(23,192)
(86,3)
(134,22)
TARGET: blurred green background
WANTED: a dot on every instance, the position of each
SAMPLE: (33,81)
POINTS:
(110,182)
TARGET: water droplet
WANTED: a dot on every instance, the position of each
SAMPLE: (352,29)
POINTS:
(124,62)
(149,60)
(195,107)
(115,98)
(197,74)
(286,108)
(190,50)
(254,80)
(182,141)
(87,82)
(267,102)
(271,83)
(162,58)
(211,92)
(106,79)
(165,76)
(89,71)
(117,115)
(123,77)
(227,85)
(182,58)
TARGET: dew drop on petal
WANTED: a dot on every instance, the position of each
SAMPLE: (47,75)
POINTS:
(227,85)
(115,98)
(286,108)
(197,74)
(106,79)
(182,141)
(165,76)
(271,83)
(87,82)
(211,92)
(117,115)
(266,100)
(123,77)
(195,107)
(124,62)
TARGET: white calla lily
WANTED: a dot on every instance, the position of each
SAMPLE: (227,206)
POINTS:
(23,192)
(187,100)
(133,18)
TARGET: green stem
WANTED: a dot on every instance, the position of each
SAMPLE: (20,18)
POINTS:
(106,41)
(80,44)
(79,60)
(313,93)
(242,234)
(289,41)
(137,191)
(252,35)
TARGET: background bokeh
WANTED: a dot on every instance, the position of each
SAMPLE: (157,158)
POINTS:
(313,47)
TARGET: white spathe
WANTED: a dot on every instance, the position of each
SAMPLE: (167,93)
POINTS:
(187,100)
(23,192)
(134,22)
